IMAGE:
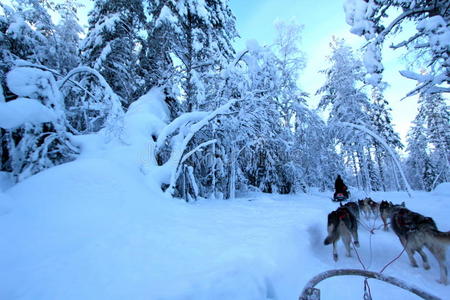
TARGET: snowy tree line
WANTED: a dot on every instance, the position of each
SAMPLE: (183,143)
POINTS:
(259,133)
(422,29)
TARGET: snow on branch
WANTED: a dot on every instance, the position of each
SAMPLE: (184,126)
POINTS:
(399,19)
(23,63)
(180,142)
(178,123)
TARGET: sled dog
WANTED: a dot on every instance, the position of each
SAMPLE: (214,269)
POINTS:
(364,207)
(368,207)
(416,231)
(354,208)
(342,224)
(373,207)
(386,208)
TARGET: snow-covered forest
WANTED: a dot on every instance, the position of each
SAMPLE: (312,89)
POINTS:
(152,102)
(231,119)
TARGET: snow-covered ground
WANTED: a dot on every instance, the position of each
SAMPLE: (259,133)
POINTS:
(93,229)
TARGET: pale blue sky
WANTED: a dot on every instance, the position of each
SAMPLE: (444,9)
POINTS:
(321,20)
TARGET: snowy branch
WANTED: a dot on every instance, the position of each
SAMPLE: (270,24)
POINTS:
(187,155)
(23,63)
(399,19)
(178,123)
(404,43)
(179,146)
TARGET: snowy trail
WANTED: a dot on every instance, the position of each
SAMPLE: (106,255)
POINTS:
(92,230)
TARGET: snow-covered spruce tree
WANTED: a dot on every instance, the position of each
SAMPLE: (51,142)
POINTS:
(195,37)
(199,35)
(382,124)
(313,152)
(418,162)
(427,27)
(110,44)
(436,115)
(342,93)
(67,33)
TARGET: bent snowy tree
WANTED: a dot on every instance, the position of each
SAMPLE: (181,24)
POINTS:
(385,146)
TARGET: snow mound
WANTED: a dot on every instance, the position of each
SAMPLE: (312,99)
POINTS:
(147,116)
(442,189)
(5,204)
(17,112)
(6,181)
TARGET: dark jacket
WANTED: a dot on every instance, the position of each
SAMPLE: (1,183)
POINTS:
(339,185)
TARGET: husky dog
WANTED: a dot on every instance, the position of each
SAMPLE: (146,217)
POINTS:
(342,223)
(415,231)
(354,208)
(368,207)
(373,206)
(385,209)
(364,207)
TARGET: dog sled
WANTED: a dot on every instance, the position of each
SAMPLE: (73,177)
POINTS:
(340,197)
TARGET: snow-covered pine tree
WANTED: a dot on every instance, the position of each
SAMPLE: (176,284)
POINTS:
(110,44)
(382,124)
(418,162)
(436,115)
(198,34)
(67,33)
(195,38)
(264,162)
(291,62)
(342,92)
(313,153)
(21,36)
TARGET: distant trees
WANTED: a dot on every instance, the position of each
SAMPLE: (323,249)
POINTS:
(344,95)
(429,143)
